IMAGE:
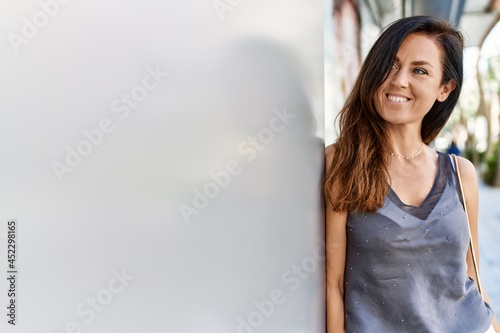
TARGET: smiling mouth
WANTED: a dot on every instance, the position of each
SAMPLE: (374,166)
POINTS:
(397,99)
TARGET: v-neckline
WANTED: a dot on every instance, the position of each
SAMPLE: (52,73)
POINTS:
(393,196)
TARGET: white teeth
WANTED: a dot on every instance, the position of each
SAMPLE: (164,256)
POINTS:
(398,98)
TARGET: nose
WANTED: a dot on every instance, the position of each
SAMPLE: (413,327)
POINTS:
(399,78)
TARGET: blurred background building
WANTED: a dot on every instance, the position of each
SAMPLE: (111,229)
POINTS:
(352,27)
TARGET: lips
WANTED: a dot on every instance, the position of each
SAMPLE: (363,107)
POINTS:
(397,98)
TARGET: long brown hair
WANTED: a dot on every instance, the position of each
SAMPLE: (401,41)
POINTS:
(357,179)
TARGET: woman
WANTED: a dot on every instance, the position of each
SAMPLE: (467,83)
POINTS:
(397,238)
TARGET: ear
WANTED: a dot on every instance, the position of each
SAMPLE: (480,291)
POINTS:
(446,90)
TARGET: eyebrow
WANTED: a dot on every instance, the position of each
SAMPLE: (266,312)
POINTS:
(418,62)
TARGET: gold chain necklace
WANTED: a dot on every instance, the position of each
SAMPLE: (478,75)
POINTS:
(412,155)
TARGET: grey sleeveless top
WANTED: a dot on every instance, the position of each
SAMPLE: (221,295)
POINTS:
(406,268)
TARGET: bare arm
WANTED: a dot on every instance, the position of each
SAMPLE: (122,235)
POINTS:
(336,241)
(469,181)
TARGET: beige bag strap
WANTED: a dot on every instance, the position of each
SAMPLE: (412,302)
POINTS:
(471,244)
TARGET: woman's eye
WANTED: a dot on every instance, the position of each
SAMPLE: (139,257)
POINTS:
(420,71)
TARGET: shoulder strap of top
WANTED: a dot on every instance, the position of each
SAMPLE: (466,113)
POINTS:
(471,242)
(451,173)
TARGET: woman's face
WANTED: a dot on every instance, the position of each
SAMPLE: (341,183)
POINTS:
(414,82)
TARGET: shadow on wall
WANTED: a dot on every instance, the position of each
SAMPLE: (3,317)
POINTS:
(262,220)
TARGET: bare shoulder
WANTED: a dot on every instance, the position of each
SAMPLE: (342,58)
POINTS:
(330,151)
(329,155)
(467,171)
(468,176)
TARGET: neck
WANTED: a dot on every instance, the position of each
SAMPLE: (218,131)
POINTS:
(405,143)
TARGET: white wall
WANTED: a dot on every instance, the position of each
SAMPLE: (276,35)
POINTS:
(103,164)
